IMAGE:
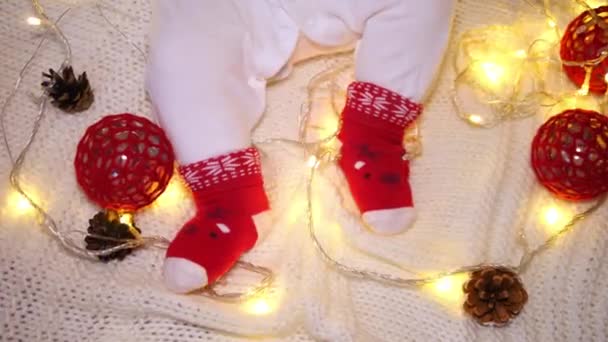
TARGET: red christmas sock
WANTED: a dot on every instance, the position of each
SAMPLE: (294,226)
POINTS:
(373,124)
(229,192)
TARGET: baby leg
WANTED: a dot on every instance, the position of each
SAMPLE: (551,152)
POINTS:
(207,99)
(402,45)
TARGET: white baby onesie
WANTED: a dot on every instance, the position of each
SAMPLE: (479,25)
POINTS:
(210,59)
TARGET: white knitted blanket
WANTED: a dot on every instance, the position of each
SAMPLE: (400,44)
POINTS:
(473,188)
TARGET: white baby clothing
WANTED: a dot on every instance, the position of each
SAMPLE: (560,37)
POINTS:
(210,60)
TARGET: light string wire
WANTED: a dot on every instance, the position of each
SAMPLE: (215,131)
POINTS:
(47,220)
(124,35)
(17,165)
(68,59)
(503,108)
(210,291)
(324,156)
(517,104)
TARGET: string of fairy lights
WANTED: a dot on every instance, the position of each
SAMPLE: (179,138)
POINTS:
(507,73)
(493,70)
(326,153)
(24,201)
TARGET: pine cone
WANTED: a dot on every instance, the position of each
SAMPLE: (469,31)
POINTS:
(107,224)
(69,93)
(494,296)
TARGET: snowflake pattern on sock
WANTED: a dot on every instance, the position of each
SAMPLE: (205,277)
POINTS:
(213,171)
(378,102)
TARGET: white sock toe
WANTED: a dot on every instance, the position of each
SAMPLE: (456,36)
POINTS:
(263,223)
(183,276)
(390,221)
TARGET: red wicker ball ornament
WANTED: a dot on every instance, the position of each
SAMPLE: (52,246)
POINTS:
(570,154)
(124,162)
(584,40)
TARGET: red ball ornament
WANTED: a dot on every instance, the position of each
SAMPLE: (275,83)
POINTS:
(124,162)
(585,40)
(570,154)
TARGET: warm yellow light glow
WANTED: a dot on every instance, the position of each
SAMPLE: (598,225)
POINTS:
(550,36)
(551,23)
(554,218)
(296,211)
(570,102)
(34,21)
(22,204)
(595,3)
(19,204)
(521,53)
(476,119)
(449,289)
(551,215)
(126,218)
(298,207)
(328,122)
(312,162)
(334,232)
(175,192)
(332,145)
(575,101)
(493,72)
(258,306)
(584,91)
(606,78)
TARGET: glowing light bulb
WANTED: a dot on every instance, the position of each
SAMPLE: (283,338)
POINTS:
(331,145)
(312,162)
(126,218)
(521,54)
(584,91)
(475,119)
(444,285)
(328,123)
(551,215)
(554,217)
(449,284)
(258,306)
(22,204)
(34,21)
(19,204)
(449,288)
(174,193)
(493,71)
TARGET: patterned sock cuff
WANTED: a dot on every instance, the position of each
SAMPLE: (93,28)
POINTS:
(236,169)
(377,106)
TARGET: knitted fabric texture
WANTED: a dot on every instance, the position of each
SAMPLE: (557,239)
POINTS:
(474,188)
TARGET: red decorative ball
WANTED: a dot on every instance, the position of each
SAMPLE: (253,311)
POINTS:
(584,40)
(570,154)
(124,162)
